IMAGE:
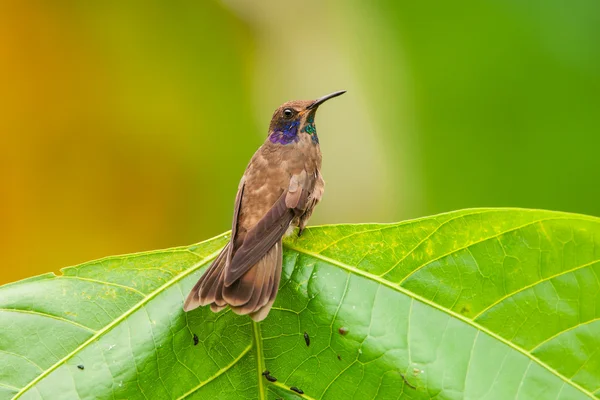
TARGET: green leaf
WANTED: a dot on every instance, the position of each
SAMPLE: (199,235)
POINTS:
(479,304)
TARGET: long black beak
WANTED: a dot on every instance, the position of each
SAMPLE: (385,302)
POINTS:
(323,99)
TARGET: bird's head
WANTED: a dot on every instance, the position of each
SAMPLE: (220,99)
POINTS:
(295,118)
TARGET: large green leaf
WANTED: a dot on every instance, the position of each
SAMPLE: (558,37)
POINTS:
(478,304)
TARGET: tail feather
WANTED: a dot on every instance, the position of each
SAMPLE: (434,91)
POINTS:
(259,283)
(241,291)
(253,293)
(264,271)
(215,308)
(262,312)
(210,292)
(219,301)
(194,299)
(267,295)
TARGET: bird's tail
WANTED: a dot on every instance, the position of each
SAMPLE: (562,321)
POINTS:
(253,293)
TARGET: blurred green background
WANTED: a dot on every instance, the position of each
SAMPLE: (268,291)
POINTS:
(125,126)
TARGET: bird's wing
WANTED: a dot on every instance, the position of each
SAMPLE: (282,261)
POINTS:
(236,213)
(269,230)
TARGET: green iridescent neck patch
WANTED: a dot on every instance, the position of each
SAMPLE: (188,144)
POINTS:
(311,129)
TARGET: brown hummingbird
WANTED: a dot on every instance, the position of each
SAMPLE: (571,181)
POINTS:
(279,190)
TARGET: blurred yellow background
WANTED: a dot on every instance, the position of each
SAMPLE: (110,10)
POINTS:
(125,126)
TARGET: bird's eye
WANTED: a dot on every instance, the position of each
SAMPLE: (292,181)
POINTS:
(288,112)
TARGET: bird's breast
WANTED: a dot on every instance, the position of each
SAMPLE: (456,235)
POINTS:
(268,177)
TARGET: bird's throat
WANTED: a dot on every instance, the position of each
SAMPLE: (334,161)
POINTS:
(286,134)
(290,132)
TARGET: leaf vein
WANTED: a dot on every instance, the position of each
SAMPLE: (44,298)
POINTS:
(10,387)
(433,232)
(522,289)
(485,239)
(217,374)
(99,282)
(23,357)
(41,314)
(557,334)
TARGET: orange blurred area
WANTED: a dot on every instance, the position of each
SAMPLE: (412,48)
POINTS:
(126,126)
(102,141)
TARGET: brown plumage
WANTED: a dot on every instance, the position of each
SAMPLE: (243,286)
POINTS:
(280,188)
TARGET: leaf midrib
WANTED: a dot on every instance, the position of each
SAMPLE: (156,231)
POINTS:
(118,320)
(428,302)
(260,358)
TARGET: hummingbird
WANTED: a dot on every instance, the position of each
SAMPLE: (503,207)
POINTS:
(278,192)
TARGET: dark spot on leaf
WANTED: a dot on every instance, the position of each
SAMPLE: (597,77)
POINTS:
(465,310)
(307,339)
(195,339)
(268,375)
(407,382)
(80,366)
(339,357)
(343,330)
(297,390)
